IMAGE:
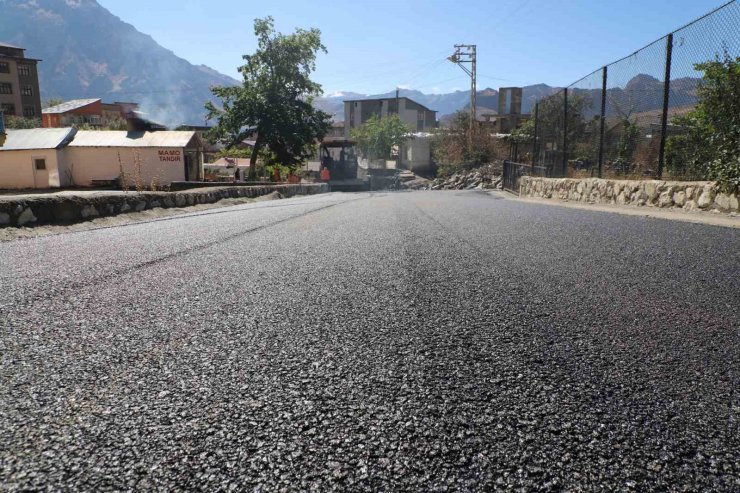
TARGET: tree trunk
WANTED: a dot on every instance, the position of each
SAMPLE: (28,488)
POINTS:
(253,159)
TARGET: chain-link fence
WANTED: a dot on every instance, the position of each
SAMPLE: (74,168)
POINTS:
(627,119)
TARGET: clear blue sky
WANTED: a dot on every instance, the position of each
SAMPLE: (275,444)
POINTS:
(375,46)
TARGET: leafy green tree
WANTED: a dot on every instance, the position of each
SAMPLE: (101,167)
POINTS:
(524,133)
(377,137)
(627,143)
(550,116)
(274,100)
(710,145)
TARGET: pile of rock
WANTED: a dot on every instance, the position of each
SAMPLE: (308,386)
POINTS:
(485,177)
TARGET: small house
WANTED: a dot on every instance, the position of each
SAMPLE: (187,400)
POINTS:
(98,156)
(34,158)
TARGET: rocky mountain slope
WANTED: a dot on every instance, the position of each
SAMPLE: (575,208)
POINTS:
(89,52)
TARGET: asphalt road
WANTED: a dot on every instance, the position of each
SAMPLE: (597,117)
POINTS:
(426,341)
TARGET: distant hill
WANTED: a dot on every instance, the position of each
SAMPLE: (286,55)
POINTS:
(88,52)
(444,104)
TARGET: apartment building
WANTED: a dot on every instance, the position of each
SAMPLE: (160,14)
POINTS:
(19,83)
(418,117)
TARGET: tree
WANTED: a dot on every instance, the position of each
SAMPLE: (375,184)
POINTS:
(21,122)
(52,102)
(550,117)
(377,137)
(524,133)
(710,144)
(274,100)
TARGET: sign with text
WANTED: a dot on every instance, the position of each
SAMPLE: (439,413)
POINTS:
(170,155)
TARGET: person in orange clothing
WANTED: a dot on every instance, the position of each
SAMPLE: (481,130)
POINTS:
(324,174)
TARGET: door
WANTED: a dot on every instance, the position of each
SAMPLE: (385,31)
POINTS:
(192,166)
(40,172)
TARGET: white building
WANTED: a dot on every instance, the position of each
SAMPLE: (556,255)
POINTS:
(416,152)
(96,156)
(60,157)
(34,158)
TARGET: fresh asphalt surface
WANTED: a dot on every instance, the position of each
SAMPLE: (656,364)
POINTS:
(426,341)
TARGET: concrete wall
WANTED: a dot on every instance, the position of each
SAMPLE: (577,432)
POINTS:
(416,154)
(651,193)
(162,165)
(17,169)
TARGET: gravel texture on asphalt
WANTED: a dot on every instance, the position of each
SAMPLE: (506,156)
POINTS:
(425,341)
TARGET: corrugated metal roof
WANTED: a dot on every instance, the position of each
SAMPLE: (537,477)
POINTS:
(6,45)
(114,138)
(69,106)
(37,138)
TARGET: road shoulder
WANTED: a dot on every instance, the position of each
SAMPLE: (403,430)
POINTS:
(707,218)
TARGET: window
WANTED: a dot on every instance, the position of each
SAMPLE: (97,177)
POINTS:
(4,68)
(24,70)
(419,121)
(6,88)
(27,91)
(39,163)
(29,112)
(8,108)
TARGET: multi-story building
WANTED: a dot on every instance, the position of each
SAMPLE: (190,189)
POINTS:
(19,83)
(418,117)
(92,112)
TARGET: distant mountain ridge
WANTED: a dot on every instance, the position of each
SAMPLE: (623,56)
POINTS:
(443,104)
(88,52)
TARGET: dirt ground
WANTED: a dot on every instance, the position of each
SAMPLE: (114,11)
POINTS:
(10,234)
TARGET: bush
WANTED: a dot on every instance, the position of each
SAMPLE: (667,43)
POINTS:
(454,148)
(710,143)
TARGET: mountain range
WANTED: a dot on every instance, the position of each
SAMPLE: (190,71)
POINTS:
(88,52)
(443,104)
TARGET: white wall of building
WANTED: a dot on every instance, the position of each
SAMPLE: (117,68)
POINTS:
(17,169)
(161,165)
(416,154)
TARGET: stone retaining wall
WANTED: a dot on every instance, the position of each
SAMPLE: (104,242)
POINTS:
(62,209)
(652,193)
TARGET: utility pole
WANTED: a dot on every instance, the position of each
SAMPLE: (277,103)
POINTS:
(467,54)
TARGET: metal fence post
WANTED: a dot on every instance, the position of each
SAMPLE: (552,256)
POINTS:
(565,132)
(666,102)
(535,148)
(603,122)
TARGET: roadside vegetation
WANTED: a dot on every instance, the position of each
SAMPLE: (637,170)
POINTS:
(460,147)
(709,146)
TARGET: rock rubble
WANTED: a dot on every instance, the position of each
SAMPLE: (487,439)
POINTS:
(485,177)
